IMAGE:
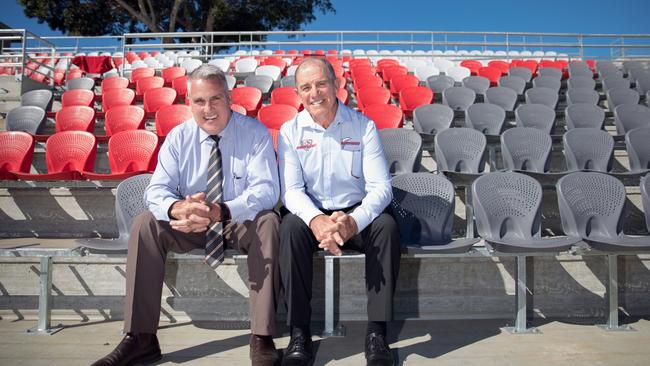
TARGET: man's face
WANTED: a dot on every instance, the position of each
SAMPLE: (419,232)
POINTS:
(317,92)
(210,105)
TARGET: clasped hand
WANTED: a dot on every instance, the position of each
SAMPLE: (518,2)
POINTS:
(333,231)
(194,214)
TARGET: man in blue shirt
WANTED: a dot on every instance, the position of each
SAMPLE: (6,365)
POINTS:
(335,184)
(179,216)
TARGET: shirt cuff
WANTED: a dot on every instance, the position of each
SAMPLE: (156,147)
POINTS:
(238,210)
(162,213)
(309,215)
(361,218)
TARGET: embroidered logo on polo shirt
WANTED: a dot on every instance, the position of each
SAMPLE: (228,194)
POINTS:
(306,144)
(349,142)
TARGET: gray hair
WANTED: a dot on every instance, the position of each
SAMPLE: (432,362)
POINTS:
(207,72)
(331,75)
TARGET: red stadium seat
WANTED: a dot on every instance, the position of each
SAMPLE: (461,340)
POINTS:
(413,97)
(129,153)
(501,65)
(171,73)
(385,63)
(124,118)
(372,95)
(75,73)
(237,108)
(171,116)
(343,96)
(529,64)
(385,115)
(16,153)
(286,95)
(342,82)
(154,99)
(472,65)
(491,73)
(116,82)
(393,71)
(275,115)
(277,61)
(81,97)
(67,154)
(180,85)
(399,82)
(249,98)
(114,97)
(141,72)
(148,83)
(75,118)
(367,81)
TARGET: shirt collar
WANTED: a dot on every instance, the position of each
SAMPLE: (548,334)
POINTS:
(224,133)
(342,115)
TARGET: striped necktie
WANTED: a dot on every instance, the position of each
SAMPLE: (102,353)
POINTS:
(214,244)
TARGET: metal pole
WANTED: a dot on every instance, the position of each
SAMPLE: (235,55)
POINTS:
(612,296)
(44,299)
(521,291)
(329,329)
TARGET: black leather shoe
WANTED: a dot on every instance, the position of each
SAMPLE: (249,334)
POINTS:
(138,348)
(263,351)
(299,351)
(377,351)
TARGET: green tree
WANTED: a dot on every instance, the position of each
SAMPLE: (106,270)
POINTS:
(101,17)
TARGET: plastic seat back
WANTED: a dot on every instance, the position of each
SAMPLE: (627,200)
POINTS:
(580,82)
(271,71)
(262,82)
(129,202)
(631,116)
(133,150)
(141,72)
(39,98)
(460,150)
(507,206)
(286,95)
(413,97)
(487,118)
(403,149)
(288,81)
(116,97)
(549,72)
(432,118)
(440,83)
(401,82)
(522,72)
(458,73)
(191,64)
(458,98)
(645,197)
(582,95)
(536,116)
(526,148)
(245,65)
(30,119)
(16,153)
(541,95)
(477,83)
(77,97)
(147,83)
(423,73)
(171,116)
(505,98)
(275,115)
(615,82)
(123,118)
(588,149)
(547,82)
(423,206)
(154,99)
(75,118)
(170,73)
(221,63)
(81,83)
(70,151)
(516,83)
(372,95)
(116,82)
(584,115)
(591,204)
(638,148)
(620,96)
(248,97)
(385,115)
(491,73)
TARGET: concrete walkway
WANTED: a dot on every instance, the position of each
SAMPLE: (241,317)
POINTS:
(448,342)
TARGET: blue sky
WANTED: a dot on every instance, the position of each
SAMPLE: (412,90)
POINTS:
(596,16)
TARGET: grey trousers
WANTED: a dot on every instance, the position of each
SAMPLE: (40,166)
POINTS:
(150,241)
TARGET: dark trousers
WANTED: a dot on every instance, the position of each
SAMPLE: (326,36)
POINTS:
(379,242)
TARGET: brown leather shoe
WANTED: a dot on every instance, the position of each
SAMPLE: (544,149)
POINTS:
(134,348)
(263,351)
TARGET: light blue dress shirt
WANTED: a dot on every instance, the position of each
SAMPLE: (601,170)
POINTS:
(250,172)
(333,168)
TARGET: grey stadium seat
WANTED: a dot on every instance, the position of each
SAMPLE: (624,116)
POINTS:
(460,150)
(40,98)
(288,81)
(605,65)
(261,82)
(458,98)
(615,82)
(403,150)
(638,149)
(635,74)
(547,82)
(582,95)
(643,84)
(129,203)
(438,83)
(477,83)
(505,98)
(630,116)
(619,96)
(600,226)
(522,72)
(580,69)
(526,149)
(588,149)
(80,83)
(536,116)
(546,96)
(515,83)
(584,115)
(551,72)
(645,197)
(423,206)
(432,118)
(487,118)
(630,65)
(231,81)
(30,119)
(610,73)
(507,208)
(581,82)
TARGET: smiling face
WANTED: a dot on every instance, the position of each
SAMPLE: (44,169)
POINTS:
(210,104)
(317,91)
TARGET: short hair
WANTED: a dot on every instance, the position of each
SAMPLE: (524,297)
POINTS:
(207,72)
(328,67)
